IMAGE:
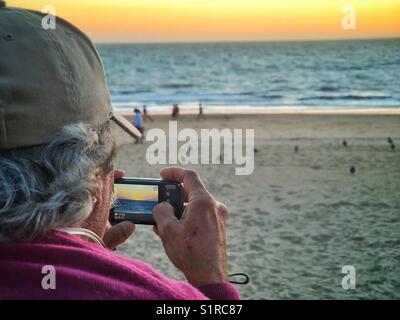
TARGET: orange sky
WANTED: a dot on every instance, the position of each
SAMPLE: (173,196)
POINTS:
(223,20)
(136,192)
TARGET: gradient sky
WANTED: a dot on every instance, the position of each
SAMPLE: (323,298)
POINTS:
(223,20)
(136,192)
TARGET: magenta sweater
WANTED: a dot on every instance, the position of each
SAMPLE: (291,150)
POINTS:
(86,271)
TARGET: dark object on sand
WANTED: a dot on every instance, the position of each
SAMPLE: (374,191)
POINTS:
(200,115)
(175,111)
(352,170)
(296,149)
(390,140)
(344,143)
(392,146)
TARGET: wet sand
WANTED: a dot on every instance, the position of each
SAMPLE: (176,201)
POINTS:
(300,216)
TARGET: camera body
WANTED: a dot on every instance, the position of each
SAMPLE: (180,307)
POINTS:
(136,198)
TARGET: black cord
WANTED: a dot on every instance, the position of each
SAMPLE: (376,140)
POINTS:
(246,279)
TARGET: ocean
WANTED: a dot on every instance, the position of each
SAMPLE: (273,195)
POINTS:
(329,74)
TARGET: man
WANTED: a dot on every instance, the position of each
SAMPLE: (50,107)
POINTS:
(146,114)
(200,115)
(175,111)
(57,171)
(138,123)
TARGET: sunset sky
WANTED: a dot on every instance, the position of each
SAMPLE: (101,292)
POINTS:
(136,192)
(223,20)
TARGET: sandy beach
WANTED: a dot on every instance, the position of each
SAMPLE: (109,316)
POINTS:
(300,216)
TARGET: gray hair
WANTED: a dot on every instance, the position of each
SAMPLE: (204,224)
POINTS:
(50,186)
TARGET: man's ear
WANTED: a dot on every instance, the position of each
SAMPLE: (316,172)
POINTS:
(98,218)
(100,178)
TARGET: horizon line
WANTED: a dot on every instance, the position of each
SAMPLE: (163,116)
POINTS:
(242,41)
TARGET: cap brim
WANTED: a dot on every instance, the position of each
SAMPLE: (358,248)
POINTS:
(125,125)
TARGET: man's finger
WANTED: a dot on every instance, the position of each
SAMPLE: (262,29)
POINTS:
(190,178)
(118,234)
(164,216)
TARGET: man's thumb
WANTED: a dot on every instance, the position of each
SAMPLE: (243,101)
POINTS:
(163,214)
(118,234)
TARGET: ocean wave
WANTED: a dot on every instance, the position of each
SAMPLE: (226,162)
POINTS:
(350,97)
(176,85)
(129,92)
(271,96)
(328,88)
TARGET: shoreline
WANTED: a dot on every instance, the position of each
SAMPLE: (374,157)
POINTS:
(215,112)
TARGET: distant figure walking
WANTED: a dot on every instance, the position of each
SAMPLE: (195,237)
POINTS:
(344,143)
(138,123)
(146,115)
(175,111)
(201,113)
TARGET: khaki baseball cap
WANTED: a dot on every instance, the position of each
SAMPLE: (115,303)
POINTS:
(48,79)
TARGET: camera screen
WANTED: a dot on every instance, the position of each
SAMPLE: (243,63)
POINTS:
(134,198)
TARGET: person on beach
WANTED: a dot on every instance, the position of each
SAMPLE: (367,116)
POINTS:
(201,113)
(146,115)
(175,111)
(138,123)
(57,157)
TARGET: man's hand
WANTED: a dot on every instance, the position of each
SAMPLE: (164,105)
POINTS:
(196,244)
(118,234)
